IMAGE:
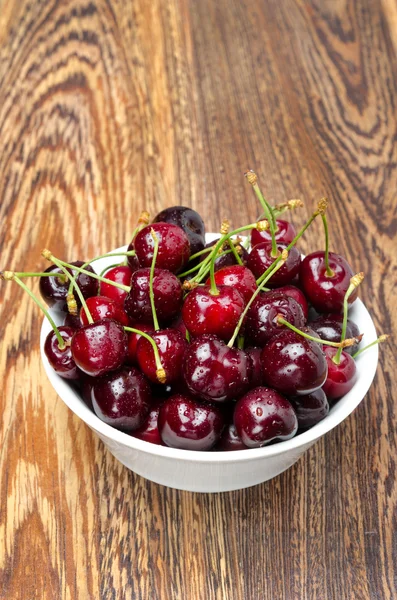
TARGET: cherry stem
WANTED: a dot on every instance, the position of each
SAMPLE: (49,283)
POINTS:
(71,302)
(49,256)
(240,342)
(275,267)
(203,251)
(223,231)
(280,209)
(329,272)
(381,338)
(343,344)
(354,283)
(152,266)
(102,273)
(60,276)
(142,222)
(160,372)
(253,180)
(13,277)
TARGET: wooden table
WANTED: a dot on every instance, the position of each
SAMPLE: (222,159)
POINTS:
(109,107)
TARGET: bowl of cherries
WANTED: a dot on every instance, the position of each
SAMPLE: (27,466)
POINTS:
(207,362)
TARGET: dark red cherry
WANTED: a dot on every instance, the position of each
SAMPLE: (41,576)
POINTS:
(342,377)
(188,220)
(54,290)
(85,383)
(203,312)
(171,346)
(329,327)
(179,325)
(72,321)
(100,308)
(255,366)
(122,399)
(100,347)
(293,365)
(149,430)
(260,259)
(238,277)
(188,424)
(285,233)
(173,251)
(215,372)
(296,294)
(230,440)
(133,338)
(132,261)
(61,360)
(326,293)
(121,274)
(263,415)
(168,296)
(310,409)
(260,322)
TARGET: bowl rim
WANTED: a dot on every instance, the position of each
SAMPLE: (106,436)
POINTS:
(366,365)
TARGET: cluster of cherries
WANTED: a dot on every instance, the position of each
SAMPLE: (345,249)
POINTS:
(206,346)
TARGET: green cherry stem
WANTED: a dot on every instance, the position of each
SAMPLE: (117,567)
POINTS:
(354,283)
(329,272)
(276,267)
(280,209)
(49,256)
(152,266)
(343,344)
(70,299)
(10,276)
(160,372)
(381,338)
(60,276)
(253,180)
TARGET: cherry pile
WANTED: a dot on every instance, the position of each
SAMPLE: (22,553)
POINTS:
(227,346)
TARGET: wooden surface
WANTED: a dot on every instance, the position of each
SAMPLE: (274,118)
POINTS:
(108,107)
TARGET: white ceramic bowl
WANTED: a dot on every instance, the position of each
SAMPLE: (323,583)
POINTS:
(216,471)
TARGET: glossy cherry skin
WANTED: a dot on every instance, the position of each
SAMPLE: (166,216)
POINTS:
(229,440)
(188,424)
(54,292)
(132,261)
(260,322)
(168,296)
(100,347)
(149,430)
(122,399)
(293,365)
(325,293)
(203,312)
(173,251)
(263,415)
(329,327)
(296,294)
(238,277)
(310,409)
(100,308)
(131,358)
(171,346)
(121,274)
(342,377)
(215,372)
(187,219)
(61,360)
(285,233)
(260,259)
(255,366)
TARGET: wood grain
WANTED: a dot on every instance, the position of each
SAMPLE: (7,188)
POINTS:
(111,106)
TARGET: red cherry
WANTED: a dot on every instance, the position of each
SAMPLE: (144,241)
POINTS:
(260,322)
(189,220)
(342,377)
(285,233)
(238,277)
(133,338)
(54,290)
(100,347)
(215,372)
(260,259)
(296,294)
(255,366)
(101,308)
(293,365)
(264,415)
(310,409)
(324,292)
(188,424)
(230,440)
(61,360)
(204,312)
(149,430)
(72,321)
(173,251)
(171,346)
(132,261)
(122,399)
(121,274)
(167,291)
(329,327)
